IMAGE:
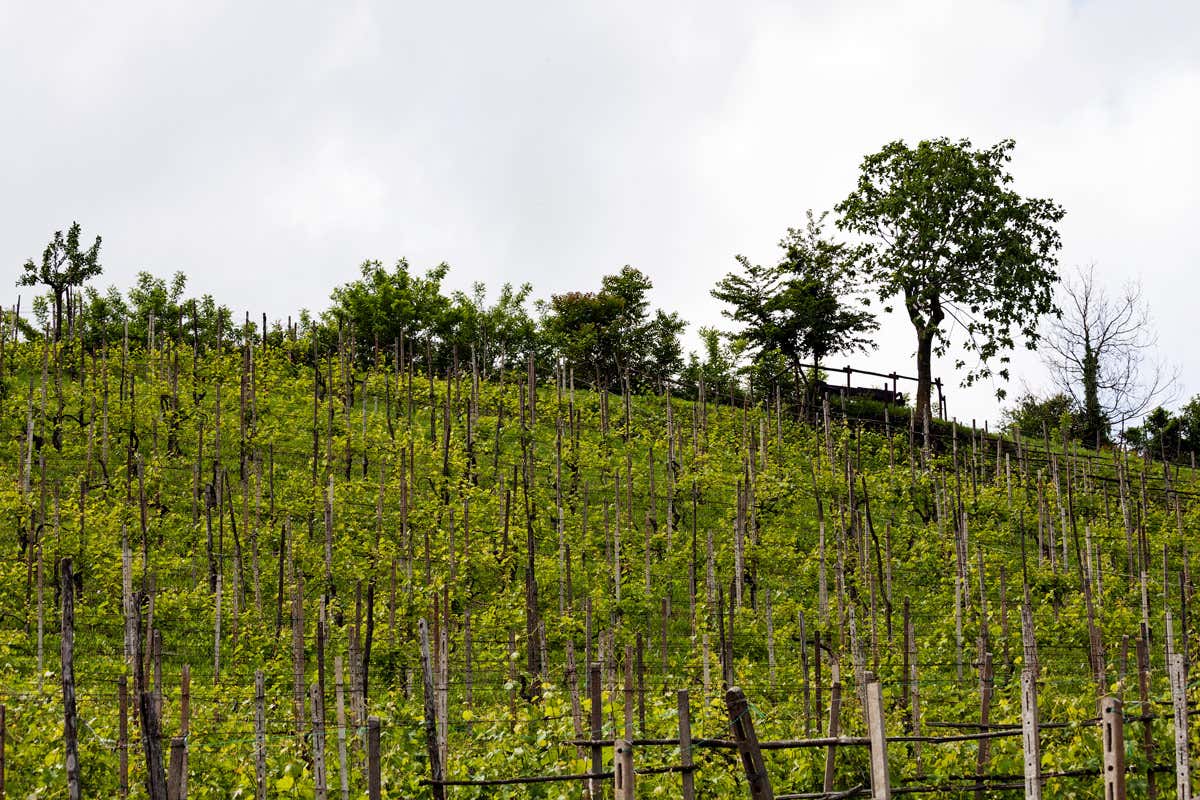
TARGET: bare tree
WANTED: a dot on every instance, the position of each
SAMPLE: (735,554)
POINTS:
(1100,351)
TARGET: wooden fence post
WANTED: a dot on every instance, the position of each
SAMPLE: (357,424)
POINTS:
(835,721)
(597,719)
(185,720)
(880,780)
(983,750)
(320,788)
(3,733)
(431,733)
(340,700)
(374,783)
(176,787)
(260,738)
(685,745)
(123,737)
(742,725)
(623,777)
(1030,745)
(1178,676)
(623,770)
(1113,729)
(156,778)
(67,651)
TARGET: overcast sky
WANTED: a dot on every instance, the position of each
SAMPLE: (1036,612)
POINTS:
(267,149)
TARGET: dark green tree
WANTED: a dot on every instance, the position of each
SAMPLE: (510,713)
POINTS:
(802,307)
(944,231)
(612,333)
(65,266)
(383,305)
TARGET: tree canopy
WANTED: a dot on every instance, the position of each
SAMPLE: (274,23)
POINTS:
(944,231)
(802,306)
(66,264)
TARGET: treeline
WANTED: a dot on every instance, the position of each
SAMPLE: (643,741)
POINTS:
(934,229)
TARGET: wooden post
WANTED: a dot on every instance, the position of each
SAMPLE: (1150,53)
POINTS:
(156,778)
(260,738)
(1113,736)
(374,784)
(1030,744)
(742,725)
(880,781)
(185,718)
(623,770)
(340,700)
(596,713)
(685,746)
(318,743)
(176,785)
(1178,677)
(431,733)
(67,651)
(3,733)
(983,751)
(835,714)
(123,736)
(1143,663)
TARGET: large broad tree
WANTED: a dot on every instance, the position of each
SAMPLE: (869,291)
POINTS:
(803,306)
(66,264)
(973,261)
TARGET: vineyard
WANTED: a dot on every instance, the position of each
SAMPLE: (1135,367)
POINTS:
(290,569)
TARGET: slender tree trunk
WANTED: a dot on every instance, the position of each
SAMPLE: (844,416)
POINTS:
(924,374)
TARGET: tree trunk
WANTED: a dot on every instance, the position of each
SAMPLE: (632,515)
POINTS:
(924,374)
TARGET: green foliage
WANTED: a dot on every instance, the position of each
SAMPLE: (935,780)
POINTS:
(398,488)
(611,335)
(1034,416)
(962,250)
(1169,436)
(797,309)
(66,264)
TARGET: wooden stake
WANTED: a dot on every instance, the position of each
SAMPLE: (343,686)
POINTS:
(374,784)
(1142,651)
(260,738)
(597,721)
(835,715)
(1112,725)
(685,745)
(431,732)
(983,752)
(3,726)
(318,743)
(1030,744)
(1178,678)
(340,700)
(742,725)
(176,782)
(880,780)
(67,651)
(123,737)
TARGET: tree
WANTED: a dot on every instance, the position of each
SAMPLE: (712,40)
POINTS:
(65,265)
(502,333)
(796,309)
(943,230)
(384,305)
(1034,416)
(1098,352)
(612,333)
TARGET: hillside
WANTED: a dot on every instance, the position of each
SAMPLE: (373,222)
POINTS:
(286,517)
